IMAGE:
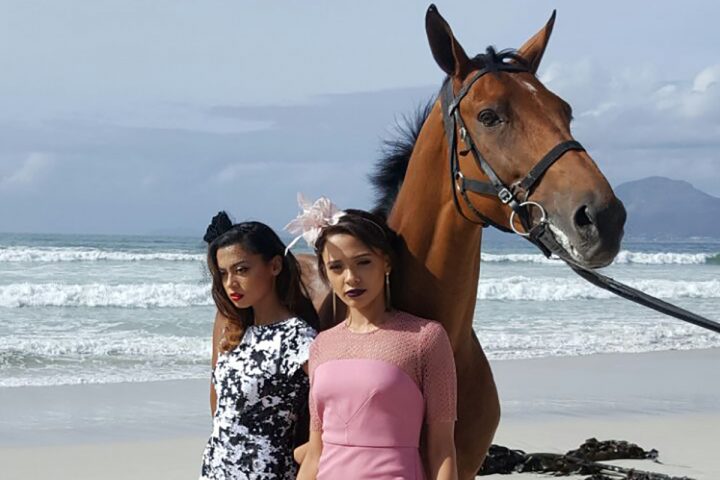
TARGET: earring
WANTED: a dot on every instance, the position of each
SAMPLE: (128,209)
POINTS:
(388,302)
(334,306)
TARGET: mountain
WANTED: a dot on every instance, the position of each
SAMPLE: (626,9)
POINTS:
(660,207)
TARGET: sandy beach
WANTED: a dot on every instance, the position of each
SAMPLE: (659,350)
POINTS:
(669,401)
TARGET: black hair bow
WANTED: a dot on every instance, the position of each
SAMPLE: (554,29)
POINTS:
(220,224)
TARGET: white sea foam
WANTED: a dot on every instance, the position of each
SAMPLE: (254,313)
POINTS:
(591,338)
(163,295)
(663,258)
(108,357)
(141,295)
(124,343)
(102,377)
(79,254)
(138,357)
(83,254)
(545,289)
(519,258)
(135,345)
(623,257)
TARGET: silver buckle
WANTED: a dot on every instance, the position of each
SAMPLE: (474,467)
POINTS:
(505,196)
(459,177)
(463,134)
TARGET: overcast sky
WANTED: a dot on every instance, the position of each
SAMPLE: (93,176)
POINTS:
(139,117)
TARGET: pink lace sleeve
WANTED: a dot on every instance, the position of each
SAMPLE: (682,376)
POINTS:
(439,382)
(315,420)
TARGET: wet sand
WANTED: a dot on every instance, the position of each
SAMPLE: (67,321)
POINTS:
(156,430)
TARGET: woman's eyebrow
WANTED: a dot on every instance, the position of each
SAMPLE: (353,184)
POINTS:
(241,262)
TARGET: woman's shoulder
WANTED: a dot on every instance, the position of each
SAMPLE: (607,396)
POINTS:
(423,325)
(300,327)
(427,333)
(330,332)
(330,339)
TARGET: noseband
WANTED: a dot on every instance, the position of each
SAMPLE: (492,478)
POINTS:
(508,195)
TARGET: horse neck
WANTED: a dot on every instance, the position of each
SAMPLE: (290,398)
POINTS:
(441,253)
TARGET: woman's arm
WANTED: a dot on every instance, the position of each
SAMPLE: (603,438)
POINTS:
(440,392)
(441,451)
(218,328)
(309,466)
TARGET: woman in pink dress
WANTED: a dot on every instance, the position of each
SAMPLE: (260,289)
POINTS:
(380,377)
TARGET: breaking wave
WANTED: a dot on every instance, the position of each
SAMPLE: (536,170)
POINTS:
(141,295)
(552,289)
(624,257)
(69,254)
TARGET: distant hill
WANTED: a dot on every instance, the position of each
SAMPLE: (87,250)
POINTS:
(660,207)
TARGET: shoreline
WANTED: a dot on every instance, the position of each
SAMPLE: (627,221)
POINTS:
(663,400)
(619,384)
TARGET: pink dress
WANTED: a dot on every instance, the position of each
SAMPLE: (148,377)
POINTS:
(371,392)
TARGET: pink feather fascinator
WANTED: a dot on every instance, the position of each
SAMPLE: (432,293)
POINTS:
(314,216)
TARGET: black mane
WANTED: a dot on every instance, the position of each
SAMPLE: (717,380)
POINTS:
(390,169)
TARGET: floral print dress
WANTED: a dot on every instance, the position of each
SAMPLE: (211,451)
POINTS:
(260,388)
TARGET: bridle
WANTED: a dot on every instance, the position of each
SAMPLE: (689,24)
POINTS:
(539,234)
(508,195)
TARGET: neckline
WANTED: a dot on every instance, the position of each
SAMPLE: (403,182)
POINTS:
(392,317)
(270,325)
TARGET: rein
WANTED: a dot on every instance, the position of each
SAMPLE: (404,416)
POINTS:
(539,234)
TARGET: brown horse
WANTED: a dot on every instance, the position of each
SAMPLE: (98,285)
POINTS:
(514,121)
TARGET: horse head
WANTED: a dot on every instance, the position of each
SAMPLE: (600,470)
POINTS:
(513,121)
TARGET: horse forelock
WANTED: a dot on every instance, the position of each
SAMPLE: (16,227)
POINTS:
(493,57)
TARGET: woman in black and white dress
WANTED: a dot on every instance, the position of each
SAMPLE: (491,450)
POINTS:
(261,340)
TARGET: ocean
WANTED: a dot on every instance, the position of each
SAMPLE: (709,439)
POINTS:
(109,309)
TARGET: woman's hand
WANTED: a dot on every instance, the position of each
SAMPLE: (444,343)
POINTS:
(440,453)
(300,452)
(309,465)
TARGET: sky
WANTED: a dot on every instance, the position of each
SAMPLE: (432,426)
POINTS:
(141,117)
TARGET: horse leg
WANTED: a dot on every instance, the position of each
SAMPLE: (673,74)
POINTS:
(478,408)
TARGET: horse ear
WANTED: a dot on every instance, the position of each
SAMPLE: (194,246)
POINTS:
(534,48)
(446,50)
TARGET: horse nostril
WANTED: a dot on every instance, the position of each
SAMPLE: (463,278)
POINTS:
(582,217)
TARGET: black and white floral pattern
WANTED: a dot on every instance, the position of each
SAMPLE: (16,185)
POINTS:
(260,387)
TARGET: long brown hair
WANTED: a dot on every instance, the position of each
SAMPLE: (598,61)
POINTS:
(255,238)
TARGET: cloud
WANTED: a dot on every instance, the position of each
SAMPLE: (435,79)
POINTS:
(126,175)
(707,78)
(640,93)
(640,120)
(32,170)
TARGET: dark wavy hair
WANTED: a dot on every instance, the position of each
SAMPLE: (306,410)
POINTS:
(367,227)
(255,238)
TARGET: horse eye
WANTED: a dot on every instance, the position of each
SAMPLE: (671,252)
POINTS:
(489,118)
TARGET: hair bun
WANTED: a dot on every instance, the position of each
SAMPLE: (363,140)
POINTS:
(220,224)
